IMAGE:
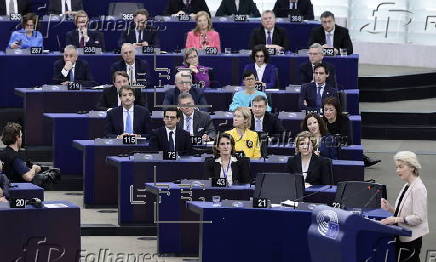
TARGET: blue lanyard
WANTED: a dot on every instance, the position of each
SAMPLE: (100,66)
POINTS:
(226,171)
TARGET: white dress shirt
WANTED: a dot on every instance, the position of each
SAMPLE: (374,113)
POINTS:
(81,35)
(131,72)
(293,5)
(65,72)
(15,10)
(131,112)
(261,124)
(259,71)
(266,34)
(332,37)
(227,170)
(63,6)
(191,128)
(305,167)
(237,5)
(321,90)
(174,135)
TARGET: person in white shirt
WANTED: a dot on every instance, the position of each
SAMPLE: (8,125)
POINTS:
(68,7)
(8,7)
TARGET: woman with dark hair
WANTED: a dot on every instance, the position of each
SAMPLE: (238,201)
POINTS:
(265,73)
(327,144)
(27,37)
(225,165)
(337,122)
(203,35)
(200,74)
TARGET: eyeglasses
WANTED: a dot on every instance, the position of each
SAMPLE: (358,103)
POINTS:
(170,117)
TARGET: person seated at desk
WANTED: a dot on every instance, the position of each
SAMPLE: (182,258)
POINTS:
(225,164)
(26,37)
(315,169)
(183,84)
(137,69)
(238,7)
(197,123)
(128,118)
(246,140)
(264,122)
(188,7)
(83,37)
(269,34)
(4,186)
(110,99)
(312,94)
(266,73)
(316,56)
(71,69)
(243,98)
(327,144)
(199,73)
(331,35)
(64,6)
(283,8)
(203,35)
(140,34)
(8,7)
(171,138)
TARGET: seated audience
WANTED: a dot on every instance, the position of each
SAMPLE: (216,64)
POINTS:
(264,122)
(110,99)
(246,140)
(64,6)
(327,144)
(315,169)
(71,69)
(83,37)
(200,74)
(203,35)
(26,37)
(237,7)
(171,138)
(128,118)
(225,164)
(197,123)
(283,8)
(137,69)
(140,33)
(316,56)
(243,98)
(8,7)
(265,73)
(269,34)
(331,35)
(189,7)
(312,94)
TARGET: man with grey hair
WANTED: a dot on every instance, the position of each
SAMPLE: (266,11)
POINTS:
(316,56)
(269,34)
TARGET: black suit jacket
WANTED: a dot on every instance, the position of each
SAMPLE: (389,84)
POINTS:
(304,7)
(149,35)
(54,6)
(308,93)
(341,38)
(306,73)
(142,70)
(201,124)
(115,126)
(240,170)
(270,124)
(82,74)
(196,6)
(109,98)
(172,96)
(318,172)
(246,7)
(96,39)
(24,7)
(183,141)
(279,37)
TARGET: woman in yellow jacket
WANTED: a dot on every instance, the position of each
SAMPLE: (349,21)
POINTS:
(245,139)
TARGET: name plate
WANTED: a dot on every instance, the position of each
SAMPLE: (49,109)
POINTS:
(240,18)
(129,140)
(169,155)
(260,202)
(211,50)
(17,203)
(329,51)
(89,50)
(184,17)
(74,86)
(15,17)
(127,17)
(259,86)
(148,50)
(36,50)
(200,84)
(219,182)
(239,154)
(296,18)
(272,51)
(196,140)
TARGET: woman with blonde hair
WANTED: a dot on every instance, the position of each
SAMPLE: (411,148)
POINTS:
(203,35)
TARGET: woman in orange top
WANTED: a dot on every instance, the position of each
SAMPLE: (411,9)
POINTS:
(203,35)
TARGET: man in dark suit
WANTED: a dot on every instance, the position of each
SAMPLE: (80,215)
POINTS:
(70,69)
(269,34)
(263,121)
(110,99)
(238,7)
(137,69)
(82,37)
(8,7)
(331,35)
(64,6)
(176,7)
(316,56)
(140,34)
(170,137)
(127,118)
(283,8)
(312,95)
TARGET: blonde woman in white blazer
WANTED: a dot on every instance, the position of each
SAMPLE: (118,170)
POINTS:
(410,209)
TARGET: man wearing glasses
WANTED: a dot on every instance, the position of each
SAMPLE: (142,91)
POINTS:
(140,34)
(316,56)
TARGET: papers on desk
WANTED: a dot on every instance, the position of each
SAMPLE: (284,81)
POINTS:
(59,205)
(289,203)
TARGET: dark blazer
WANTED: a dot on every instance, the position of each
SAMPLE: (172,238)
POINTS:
(24,7)
(279,37)
(341,38)
(270,124)
(308,93)
(183,141)
(304,7)
(82,74)
(172,96)
(318,172)
(196,6)
(269,75)
(202,124)
(342,127)
(306,73)
(142,70)
(109,98)
(54,6)
(115,126)
(149,35)
(240,170)
(246,7)
(96,39)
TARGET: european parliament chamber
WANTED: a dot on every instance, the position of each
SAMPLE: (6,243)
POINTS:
(212,130)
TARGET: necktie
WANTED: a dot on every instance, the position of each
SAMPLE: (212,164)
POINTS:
(318,96)
(171,142)
(329,39)
(12,7)
(188,124)
(72,75)
(268,38)
(82,42)
(139,36)
(128,129)
(131,75)
(397,209)
(258,125)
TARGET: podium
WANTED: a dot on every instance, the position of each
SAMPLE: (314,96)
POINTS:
(341,236)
